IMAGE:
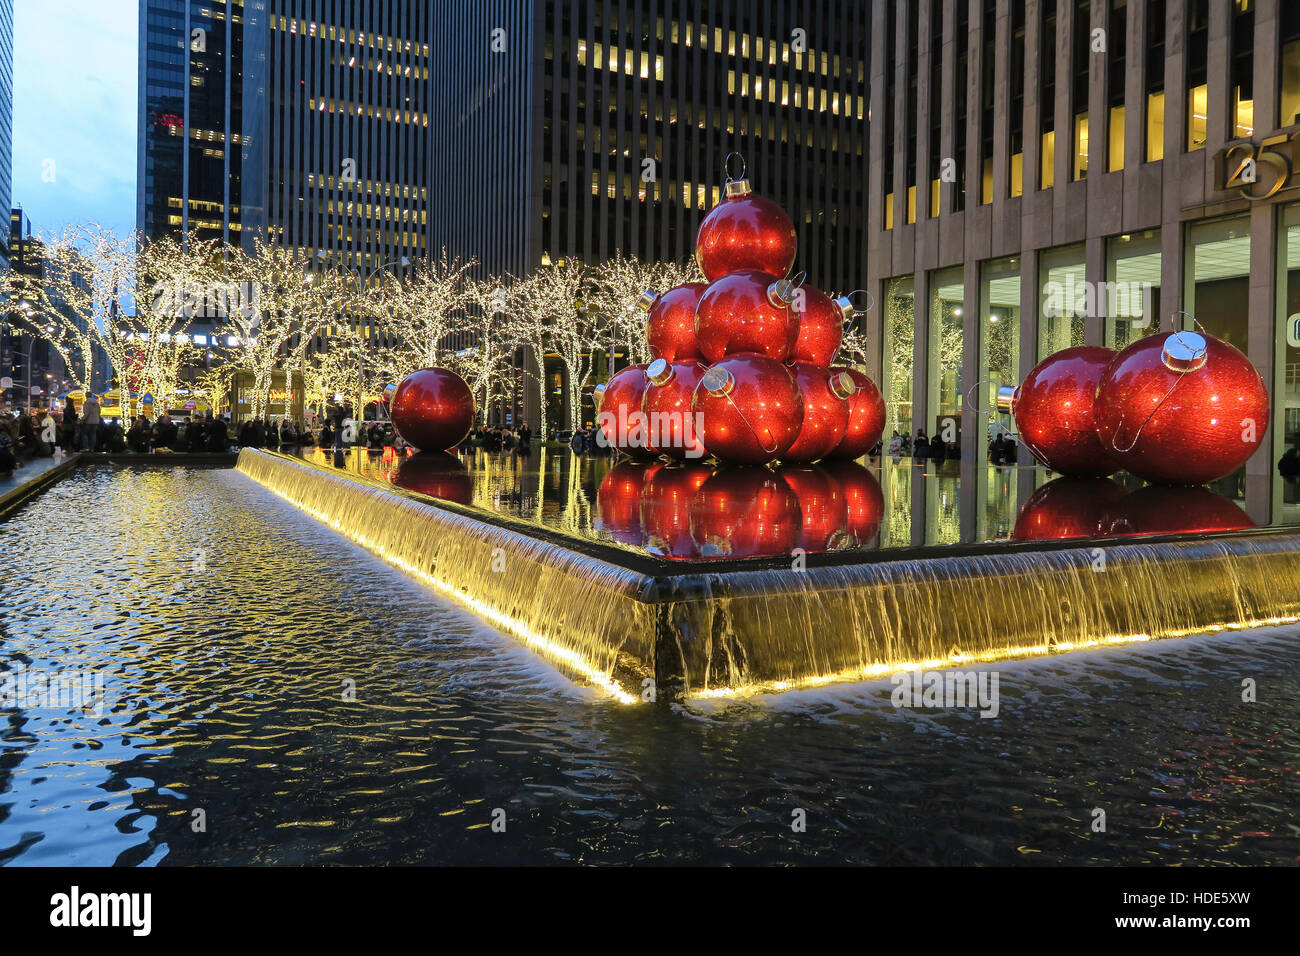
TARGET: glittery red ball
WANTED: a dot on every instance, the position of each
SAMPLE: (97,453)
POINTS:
(1156,509)
(756,414)
(823,508)
(1181,428)
(737,314)
(743,233)
(745,512)
(1054,412)
(667,509)
(866,417)
(864,501)
(433,409)
(1069,508)
(670,323)
(436,474)
(620,417)
(821,328)
(619,500)
(825,413)
(669,416)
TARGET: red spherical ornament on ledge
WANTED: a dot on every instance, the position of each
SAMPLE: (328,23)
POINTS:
(751,409)
(619,412)
(670,322)
(667,407)
(745,232)
(866,417)
(1181,408)
(433,409)
(1054,412)
(826,397)
(821,327)
(747,312)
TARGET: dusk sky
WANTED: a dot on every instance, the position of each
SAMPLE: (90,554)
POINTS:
(75,112)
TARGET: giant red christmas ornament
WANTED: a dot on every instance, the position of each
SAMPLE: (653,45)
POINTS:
(1053,409)
(866,417)
(667,407)
(1181,408)
(619,413)
(745,232)
(618,501)
(670,322)
(747,312)
(864,501)
(821,327)
(745,512)
(823,508)
(436,474)
(666,509)
(1069,508)
(1160,510)
(433,409)
(826,397)
(751,409)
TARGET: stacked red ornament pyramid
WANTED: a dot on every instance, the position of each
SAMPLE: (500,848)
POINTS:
(743,364)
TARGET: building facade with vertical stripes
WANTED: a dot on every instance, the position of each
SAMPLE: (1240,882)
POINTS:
(1137,155)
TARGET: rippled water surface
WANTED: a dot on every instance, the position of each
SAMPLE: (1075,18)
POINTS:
(228,630)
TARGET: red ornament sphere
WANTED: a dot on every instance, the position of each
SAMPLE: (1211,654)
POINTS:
(745,232)
(751,408)
(670,323)
(666,509)
(1054,412)
(745,513)
(823,509)
(746,312)
(436,474)
(433,409)
(619,414)
(864,501)
(618,501)
(826,397)
(667,408)
(821,327)
(1181,408)
(866,417)
(1069,508)
(1158,509)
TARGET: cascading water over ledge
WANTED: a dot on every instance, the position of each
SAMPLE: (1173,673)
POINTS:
(621,621)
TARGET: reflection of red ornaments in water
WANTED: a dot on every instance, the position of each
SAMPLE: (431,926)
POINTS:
(746,312)
(670,324)
(621,398)
(666,508)
(823,509)
(745,512)
(1181,428)
(825,411)
(1054,412)
(866,417)
(667,407)
(1069,508)
(821,327)
(436,474)
(864,501)
(433,409)
(619,498)
(744,232)
(751,409)
(1189,510)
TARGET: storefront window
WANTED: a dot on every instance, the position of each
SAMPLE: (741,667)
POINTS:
(1061,300)
(946,341)
(900,356)
(1132,306)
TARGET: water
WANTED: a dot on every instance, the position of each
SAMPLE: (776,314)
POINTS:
(224,688)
